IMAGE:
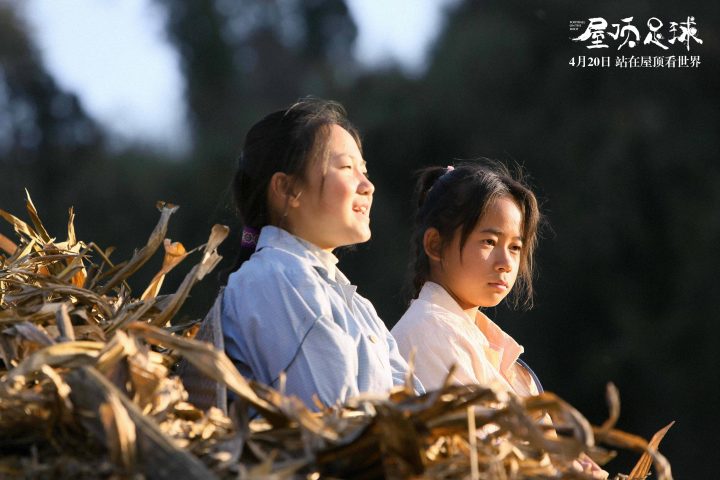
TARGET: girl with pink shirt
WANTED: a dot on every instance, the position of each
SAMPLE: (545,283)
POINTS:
(473,242)
(472,245)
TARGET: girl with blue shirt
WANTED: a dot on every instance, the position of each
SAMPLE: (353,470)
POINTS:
(302,190)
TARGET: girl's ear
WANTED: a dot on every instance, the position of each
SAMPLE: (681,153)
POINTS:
(281,190)
(432,244)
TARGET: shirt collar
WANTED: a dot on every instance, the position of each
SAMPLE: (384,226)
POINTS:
(327,259)
(500,341)
(275,237)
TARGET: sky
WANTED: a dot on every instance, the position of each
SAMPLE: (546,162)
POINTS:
(114,55)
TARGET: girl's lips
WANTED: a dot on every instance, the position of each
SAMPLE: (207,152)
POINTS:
(363,209)
(499,285)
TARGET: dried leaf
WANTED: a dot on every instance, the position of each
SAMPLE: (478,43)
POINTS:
(642,468)
(613,400)
(7,245)
(64,324)
(30,332)
(32,211)
(144,254)
(119,392)
(174,254)
(19,226)
(209,261)
(71,238)
(213,363)
(120,432)
(159,457)
(62,389)
(68,354)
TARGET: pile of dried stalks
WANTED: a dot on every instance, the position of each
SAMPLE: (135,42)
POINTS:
(87,391)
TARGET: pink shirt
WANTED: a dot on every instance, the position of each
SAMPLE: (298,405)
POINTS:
(443,334)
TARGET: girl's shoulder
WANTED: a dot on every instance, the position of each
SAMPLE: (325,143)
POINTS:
(367,310)
(273,265)
(423,315)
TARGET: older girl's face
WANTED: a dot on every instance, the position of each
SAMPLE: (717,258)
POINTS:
(333,209)
(485,270)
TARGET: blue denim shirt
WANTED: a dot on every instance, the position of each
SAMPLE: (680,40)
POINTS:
(286,310)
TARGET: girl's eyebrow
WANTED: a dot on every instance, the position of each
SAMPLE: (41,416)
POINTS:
(349,155)
(362,161)
(499,233)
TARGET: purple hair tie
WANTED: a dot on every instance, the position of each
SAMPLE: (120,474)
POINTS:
(249,237)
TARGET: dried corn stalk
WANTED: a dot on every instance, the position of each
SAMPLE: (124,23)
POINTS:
(87,391)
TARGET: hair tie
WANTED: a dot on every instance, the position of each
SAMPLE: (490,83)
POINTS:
(448,169)
(249,237)
(433,190)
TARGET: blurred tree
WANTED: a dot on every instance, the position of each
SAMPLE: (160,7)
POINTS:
(245,58)
(43,129)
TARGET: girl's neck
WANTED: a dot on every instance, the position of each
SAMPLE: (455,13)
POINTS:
(314,243)
(309,242)
(325,256)
(470,310)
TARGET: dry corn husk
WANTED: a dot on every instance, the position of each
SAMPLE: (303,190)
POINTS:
(88,391)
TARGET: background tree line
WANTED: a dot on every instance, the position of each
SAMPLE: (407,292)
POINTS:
(625,163)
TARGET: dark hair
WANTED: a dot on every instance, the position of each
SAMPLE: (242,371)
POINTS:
(449,199)
(284,141)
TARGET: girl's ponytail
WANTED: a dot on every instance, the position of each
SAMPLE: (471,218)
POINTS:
(426,179)
(419,268)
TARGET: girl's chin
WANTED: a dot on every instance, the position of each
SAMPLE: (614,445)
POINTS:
(354,239)
(491,302)
(362,235)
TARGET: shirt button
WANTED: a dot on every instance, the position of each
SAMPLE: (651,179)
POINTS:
(373,338)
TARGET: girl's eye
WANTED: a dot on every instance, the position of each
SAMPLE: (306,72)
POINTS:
(488,241)
(516,248)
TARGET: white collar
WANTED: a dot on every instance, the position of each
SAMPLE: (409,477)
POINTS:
(500,341)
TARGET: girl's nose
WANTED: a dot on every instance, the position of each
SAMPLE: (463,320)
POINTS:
(366,187)
(504,262)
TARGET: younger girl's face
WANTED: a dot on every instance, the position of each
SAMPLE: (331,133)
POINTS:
(484,272)
(334,207)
